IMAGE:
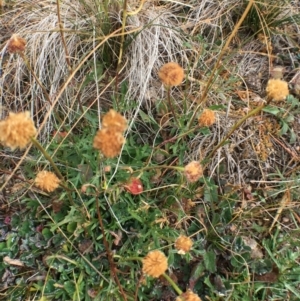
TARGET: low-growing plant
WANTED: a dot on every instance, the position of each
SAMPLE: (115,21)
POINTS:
(128,201)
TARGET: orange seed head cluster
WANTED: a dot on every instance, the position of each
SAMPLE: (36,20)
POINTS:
(155,263)
(17,130)
(171,74)
(188,296)
(193,171)
(16,44)
(207,118)
(47,181)
(277,89)
(183,244)
(114,120)
(109,140)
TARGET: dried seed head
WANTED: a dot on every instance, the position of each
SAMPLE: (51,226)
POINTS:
(17,130)
(171,74)
(188,296)
(155,263)
(277,89)
(114,120)
(16,44)
(207,118)
(46,181)
(183,244)
(109,142)
(193,171)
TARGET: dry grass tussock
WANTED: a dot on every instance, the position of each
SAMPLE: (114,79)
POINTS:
(191,33)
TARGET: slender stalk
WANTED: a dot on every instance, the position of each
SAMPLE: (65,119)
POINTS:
(67,56)
(174,285)
(124,20)
(108,252)
(171,105)
(58,173)
(234,127)
(46,94)
(26,62)
(217,65)
(48,157)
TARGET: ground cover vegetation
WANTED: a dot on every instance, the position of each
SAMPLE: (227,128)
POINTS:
(149,150)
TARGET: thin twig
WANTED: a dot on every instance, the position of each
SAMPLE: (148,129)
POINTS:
(108,252)
(62,37)
(216,69)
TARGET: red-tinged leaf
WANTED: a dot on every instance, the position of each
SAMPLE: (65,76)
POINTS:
(134,186)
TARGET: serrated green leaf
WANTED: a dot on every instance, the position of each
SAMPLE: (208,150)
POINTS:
(69,286)
(284,128)
(271,110)
(210,261)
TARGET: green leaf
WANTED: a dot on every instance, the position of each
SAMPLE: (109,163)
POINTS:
(146,118)
(293,290)
(210,192)
(284,128)
(197,272)
(205,131)
(135,215)
(293,137)
(69,286)
(47,233)
(271,110)
(210,261)
(289,118)
(218,107)
(71,227)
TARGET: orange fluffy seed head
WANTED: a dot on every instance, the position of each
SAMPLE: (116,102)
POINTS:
(207,118)
(188,296)
(47,181)
(171,74)
(193,171)
(183,244)
(277,89)
(109,142)
(114,120)
(16,44)
(17,130)
(155,263)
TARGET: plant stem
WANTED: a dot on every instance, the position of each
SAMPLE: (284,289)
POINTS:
(124,20)
(174,285)
(234,127)
(67,56)
(58,173)
(215,71)
(171,105)
(108,251)
(48,157)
